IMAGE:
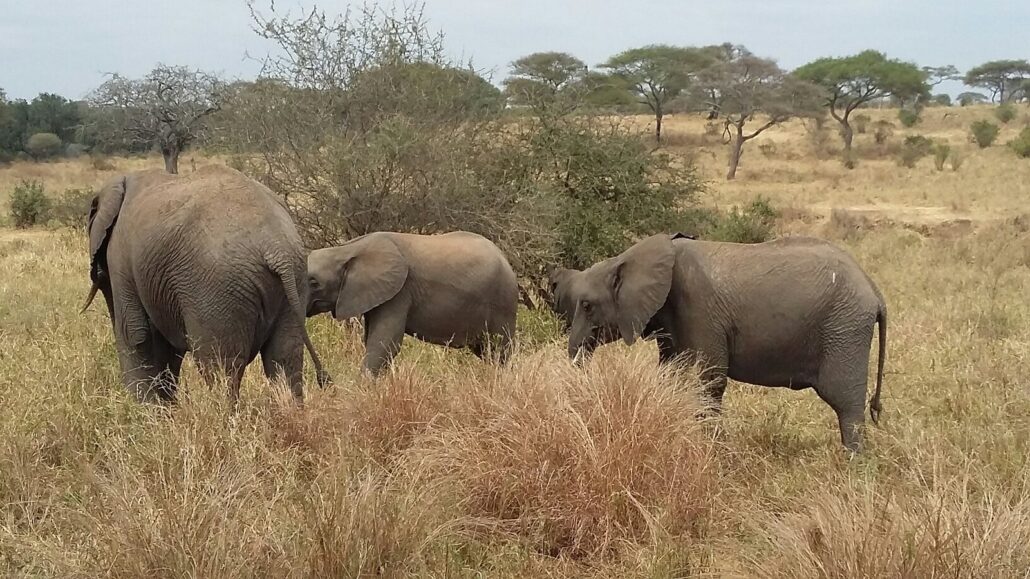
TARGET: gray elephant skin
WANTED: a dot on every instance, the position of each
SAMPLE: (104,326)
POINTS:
(795,312)
(455,289)
(209,263)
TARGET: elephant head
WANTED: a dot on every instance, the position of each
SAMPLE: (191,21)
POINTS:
(559,281)
(618,296)
(355,277)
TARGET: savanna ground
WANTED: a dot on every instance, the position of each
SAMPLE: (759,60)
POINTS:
(451,467)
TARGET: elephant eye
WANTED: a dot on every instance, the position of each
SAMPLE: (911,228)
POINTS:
(313,282)
(586,306)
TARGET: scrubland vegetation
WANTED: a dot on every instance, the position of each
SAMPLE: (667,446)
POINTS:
(451,467)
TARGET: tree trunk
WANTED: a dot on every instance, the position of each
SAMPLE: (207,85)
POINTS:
(658,127)
(736,148)
(849,134)
(170,152)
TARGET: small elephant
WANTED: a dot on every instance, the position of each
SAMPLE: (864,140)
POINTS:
(795,312)
(208,262)
(455,289)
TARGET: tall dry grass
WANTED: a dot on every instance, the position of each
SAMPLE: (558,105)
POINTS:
(451,467)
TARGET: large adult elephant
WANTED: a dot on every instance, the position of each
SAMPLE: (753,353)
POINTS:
(796,312)
(455,289)
(208,262)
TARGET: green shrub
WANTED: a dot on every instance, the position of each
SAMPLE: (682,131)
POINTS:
(44,146)
(29,204)
(754,223)
(861,123)
(908,117)
(913,149)
(72,207)
(941,151)
(984,133)
(1021,144)
(1005,112)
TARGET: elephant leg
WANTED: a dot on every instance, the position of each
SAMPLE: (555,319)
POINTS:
(146,359)
(282,357)
(842,385)
(212,359)
(384,332)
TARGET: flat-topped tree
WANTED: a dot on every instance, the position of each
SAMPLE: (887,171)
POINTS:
(657,73)
(544,79)
(1004,79)
(851,81)
(757,92)
(168,108)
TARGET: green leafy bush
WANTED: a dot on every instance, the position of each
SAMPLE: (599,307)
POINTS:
(754,223)
(1005,112)
(29,204)
(941,151)
(984,133)
(1021,144)
(72,207)
(913,149)
(44,146)
(908,117)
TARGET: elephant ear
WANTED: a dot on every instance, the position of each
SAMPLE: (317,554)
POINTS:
(641,283)
(103,212)
(373,275)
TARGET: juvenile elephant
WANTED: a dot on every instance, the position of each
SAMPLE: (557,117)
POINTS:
(795,312)
(208,262)
(455,289)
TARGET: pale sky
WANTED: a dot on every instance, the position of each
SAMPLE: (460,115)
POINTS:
(66,46)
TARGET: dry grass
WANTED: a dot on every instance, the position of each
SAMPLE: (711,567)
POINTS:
(450,467)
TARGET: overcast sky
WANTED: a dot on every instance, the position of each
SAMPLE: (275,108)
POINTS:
(66,46)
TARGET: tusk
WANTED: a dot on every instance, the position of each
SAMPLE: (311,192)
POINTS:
(577,357)
(89,298)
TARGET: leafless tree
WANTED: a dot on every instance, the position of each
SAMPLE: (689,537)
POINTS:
(168,109)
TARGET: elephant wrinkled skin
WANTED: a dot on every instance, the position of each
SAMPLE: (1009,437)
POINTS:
(795,312)
(455,289)
(208,262)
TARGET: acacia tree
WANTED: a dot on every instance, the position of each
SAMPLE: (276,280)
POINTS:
(169,109)
(752,89)
(851,81)
(1004,79)
(657,73)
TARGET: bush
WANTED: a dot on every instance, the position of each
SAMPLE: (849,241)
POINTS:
(1021,144)
(72,207)
(984,133)
(1005,112)
(101,162)
(768,149)
(884,130)
(941,151)
(861,123)
(908,117)
(913,149)
(44,146)
(956,160)
(29,204)
(75,150)
(754,223)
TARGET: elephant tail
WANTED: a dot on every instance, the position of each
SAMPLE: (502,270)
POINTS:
(289,281)
(874,404)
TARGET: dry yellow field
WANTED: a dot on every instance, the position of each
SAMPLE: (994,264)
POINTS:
(450,467)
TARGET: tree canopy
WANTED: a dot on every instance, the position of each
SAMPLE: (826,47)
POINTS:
(658,73)
(851,81)
(748,87)
(543,79)
(1004,79)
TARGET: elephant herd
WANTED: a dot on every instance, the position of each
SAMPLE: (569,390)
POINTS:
(211,263)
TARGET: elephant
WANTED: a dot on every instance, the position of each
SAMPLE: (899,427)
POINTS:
(455,289)
(795,312)
(208,263)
